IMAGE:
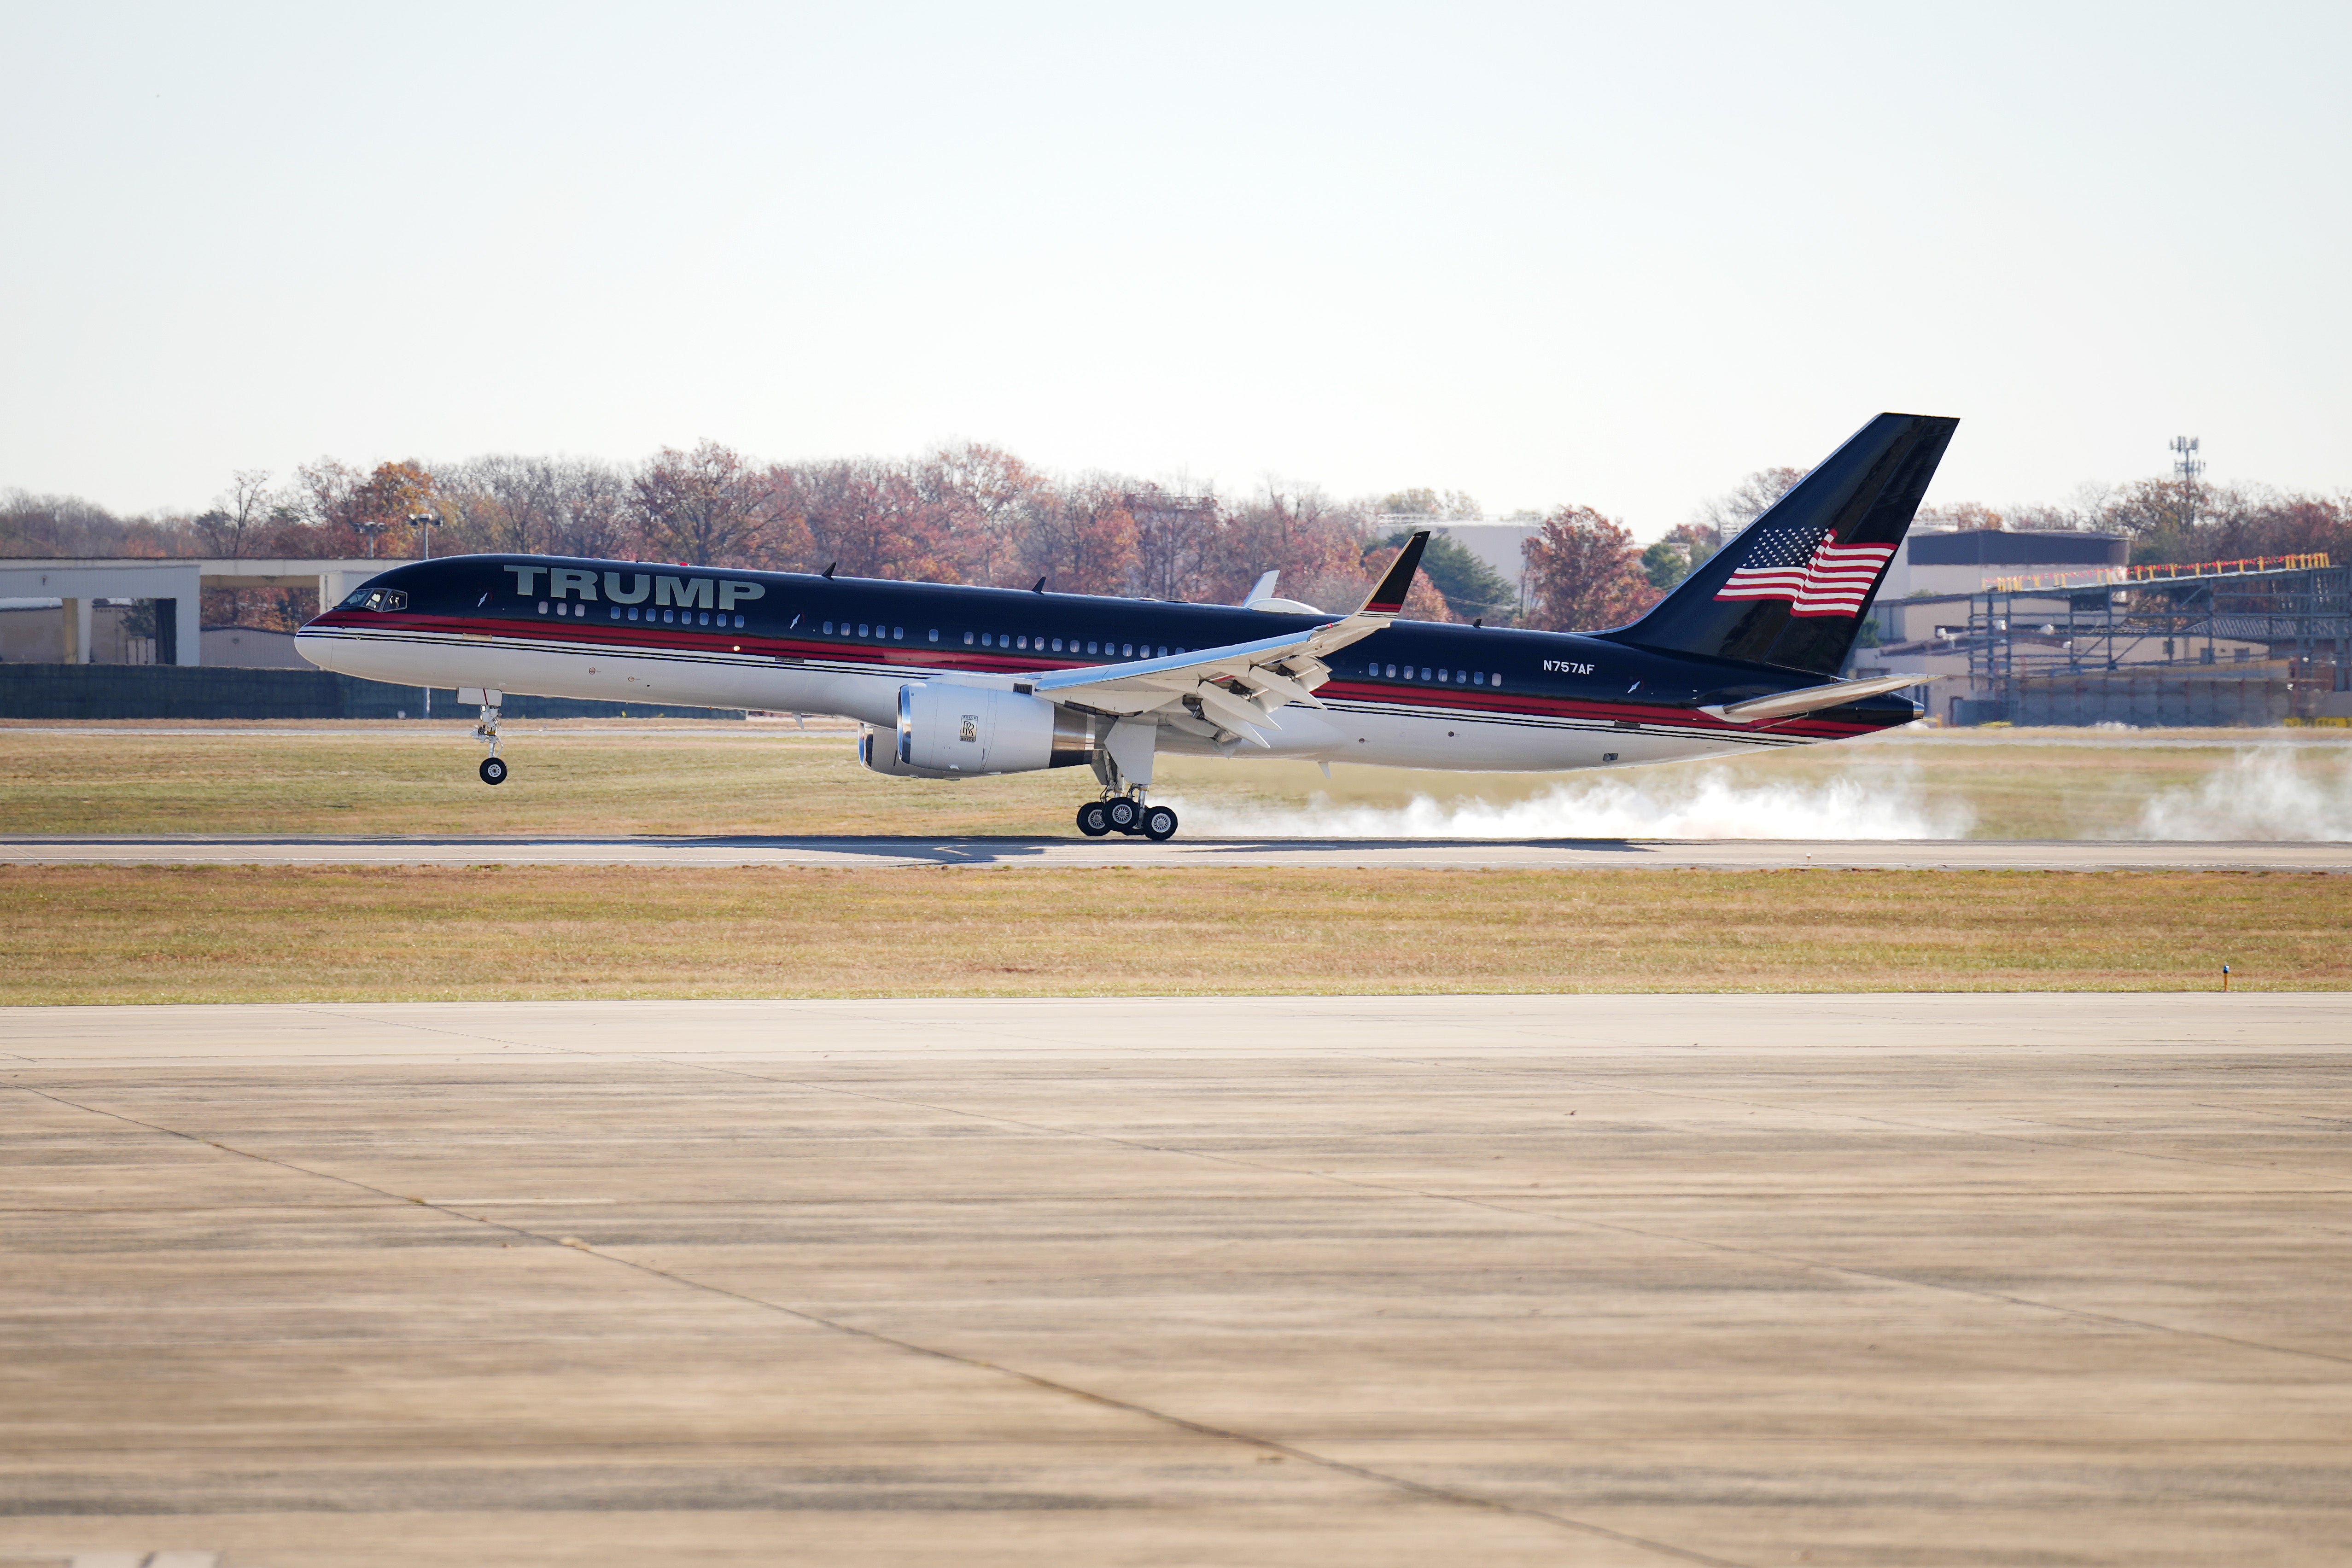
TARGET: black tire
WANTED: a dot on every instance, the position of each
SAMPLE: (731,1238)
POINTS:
(1124,815)
(494,770)
(1160,824)
(1094,820)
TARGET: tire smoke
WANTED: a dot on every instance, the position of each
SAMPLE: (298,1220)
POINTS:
(1881,802)
(2265,793)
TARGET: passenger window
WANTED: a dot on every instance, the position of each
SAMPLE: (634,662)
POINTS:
(1024,643)
(616,613)
(1164,650)
(706,618)
(1496,679)
(897,633)
(738,623)
(988,639)
(1057,644)
(1393,671)
(1090,647)
(864,630)
(1446,675)
(1480,678)
(1424,671)
(633,613)
(967,639)
(935,633)
(542,607)
(1126,650)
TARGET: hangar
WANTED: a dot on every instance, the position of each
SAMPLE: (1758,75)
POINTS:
(71,588)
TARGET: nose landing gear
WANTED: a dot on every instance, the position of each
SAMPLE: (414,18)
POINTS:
(1127,814)
(494,767)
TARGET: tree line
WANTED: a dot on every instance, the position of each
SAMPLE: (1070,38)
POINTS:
(974,513)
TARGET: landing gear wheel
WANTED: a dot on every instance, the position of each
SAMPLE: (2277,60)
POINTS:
(494,770)
(1094,819)
(1124,815)
(1158,824)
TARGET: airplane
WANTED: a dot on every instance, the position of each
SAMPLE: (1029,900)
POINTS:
(950,681)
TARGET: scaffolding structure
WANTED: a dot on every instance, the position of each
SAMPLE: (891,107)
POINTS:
(2224,642)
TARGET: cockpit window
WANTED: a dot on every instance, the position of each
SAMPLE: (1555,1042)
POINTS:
(394,600)
(377,598)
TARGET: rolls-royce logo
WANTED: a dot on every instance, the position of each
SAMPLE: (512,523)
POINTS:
(971,730)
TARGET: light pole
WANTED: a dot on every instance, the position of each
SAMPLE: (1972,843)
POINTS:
(424,523)
(368,531)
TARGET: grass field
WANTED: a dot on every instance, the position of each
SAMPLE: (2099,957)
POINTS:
(82,935)
(604,777)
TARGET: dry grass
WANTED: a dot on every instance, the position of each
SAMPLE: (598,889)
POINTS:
(147,934)
(609,777)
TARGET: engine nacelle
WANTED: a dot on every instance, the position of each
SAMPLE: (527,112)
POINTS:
(955,732)
(878,749)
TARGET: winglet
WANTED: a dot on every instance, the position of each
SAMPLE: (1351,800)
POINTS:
(1388,599)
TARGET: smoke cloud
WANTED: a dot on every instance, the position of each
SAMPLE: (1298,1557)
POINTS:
(2265,793)
(1881,802)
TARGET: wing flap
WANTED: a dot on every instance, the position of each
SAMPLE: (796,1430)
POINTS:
(1270,672)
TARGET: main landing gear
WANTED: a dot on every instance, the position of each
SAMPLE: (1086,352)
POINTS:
(494,770)
(1128,815)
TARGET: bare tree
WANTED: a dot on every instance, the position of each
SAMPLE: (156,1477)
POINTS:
(1175,534)
(560,505)
(704,506)
(1717,520)
(240,511)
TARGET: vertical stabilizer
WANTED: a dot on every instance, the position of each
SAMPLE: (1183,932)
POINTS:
(1790,588)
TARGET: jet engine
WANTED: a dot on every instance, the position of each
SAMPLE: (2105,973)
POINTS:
(956,732)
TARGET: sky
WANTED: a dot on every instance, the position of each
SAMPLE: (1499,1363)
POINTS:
(1608,255)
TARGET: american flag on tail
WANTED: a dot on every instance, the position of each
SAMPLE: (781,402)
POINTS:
(1812,571)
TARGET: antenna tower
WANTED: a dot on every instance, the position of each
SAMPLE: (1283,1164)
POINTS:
(2186,467)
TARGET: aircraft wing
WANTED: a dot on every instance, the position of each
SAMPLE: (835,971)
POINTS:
(1237,687)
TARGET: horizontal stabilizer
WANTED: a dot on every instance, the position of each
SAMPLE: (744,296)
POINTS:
(1811,699)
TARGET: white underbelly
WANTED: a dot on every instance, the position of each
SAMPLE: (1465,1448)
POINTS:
(608,675)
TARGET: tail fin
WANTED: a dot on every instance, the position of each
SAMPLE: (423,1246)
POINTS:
(1790,588)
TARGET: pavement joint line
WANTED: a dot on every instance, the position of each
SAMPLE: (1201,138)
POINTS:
(1035,1380)
(2080,1314)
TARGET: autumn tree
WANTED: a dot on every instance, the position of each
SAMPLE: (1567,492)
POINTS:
(1315,542)
(868,517)
(1079,537)
(1582,573)
(981,494)
(703,507)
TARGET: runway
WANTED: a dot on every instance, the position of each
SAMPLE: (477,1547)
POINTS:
(1075,853)
(1929,1279)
